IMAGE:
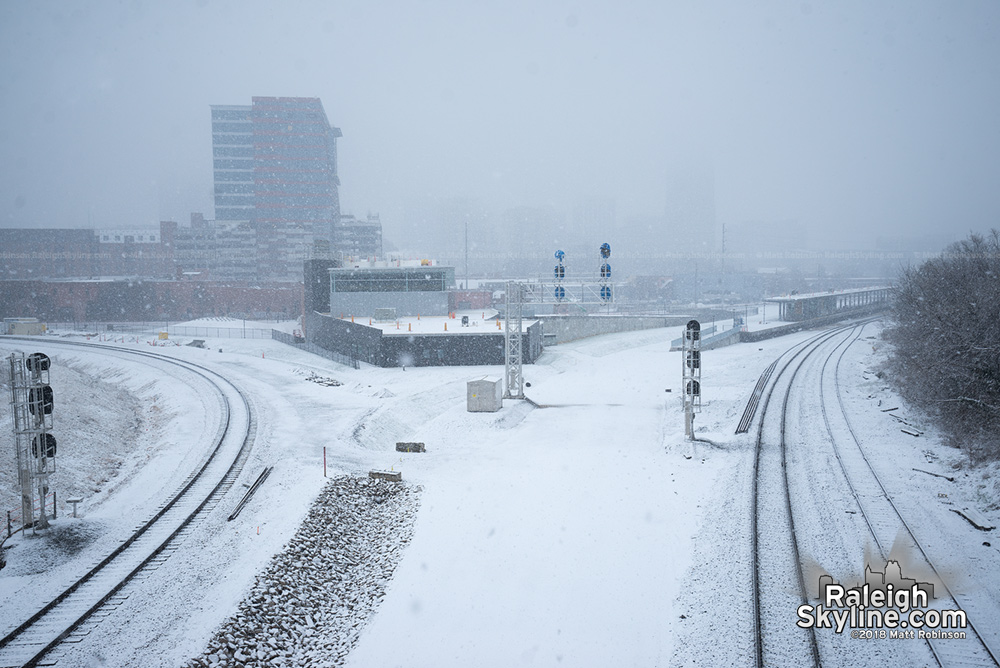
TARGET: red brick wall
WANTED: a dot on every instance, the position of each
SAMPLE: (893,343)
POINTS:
(141,301)
(476,299)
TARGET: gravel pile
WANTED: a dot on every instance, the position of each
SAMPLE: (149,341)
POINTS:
(309,606)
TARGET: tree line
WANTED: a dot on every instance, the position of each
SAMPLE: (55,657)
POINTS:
(945,332)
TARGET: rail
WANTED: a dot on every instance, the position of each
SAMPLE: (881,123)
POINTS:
(54,623)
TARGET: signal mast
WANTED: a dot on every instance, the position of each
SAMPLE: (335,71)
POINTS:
(31,405)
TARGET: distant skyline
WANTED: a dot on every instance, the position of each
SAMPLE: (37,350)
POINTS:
(854,120)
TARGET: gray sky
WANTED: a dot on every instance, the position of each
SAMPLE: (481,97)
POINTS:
(867,116)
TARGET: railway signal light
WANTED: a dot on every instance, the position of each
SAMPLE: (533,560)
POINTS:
(49,448)
(693,331)
(691,374)
(32,403)
(40,400)
(560,274)
(37,362)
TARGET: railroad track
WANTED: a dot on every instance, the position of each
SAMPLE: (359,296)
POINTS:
(70,615)
(777,542)
(886,524)
(777,564)
(754,401)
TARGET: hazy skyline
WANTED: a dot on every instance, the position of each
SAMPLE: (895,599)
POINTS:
(860,118)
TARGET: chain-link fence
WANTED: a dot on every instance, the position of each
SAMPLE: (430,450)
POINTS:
(134,328)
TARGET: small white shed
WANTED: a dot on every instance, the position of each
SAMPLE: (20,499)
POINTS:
(485,395)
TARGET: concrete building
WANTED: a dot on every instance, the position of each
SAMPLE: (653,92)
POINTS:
(212,250)
(403,315)
(358,239)
(34,254)
(147,300)
(411,288)
(133,253)
(275,169)
(38,254)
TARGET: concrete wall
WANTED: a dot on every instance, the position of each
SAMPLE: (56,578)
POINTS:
(345,337)
(721,339)
(563,328)
(457,349)
(368,344)
(443,350)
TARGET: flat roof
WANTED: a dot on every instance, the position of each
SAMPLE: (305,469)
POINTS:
(480,322)
(831,293)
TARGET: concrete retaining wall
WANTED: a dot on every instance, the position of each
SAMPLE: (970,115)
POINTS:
(726,338)
(563,328)
(368,344)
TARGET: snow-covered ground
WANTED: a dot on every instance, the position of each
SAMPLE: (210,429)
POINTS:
(584,533)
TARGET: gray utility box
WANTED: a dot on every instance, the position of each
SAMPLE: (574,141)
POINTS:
(485,395)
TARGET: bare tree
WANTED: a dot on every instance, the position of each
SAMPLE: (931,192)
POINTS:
(946,336)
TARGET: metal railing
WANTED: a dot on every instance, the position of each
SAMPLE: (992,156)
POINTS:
(220,332)
(301,343)
(133,328)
